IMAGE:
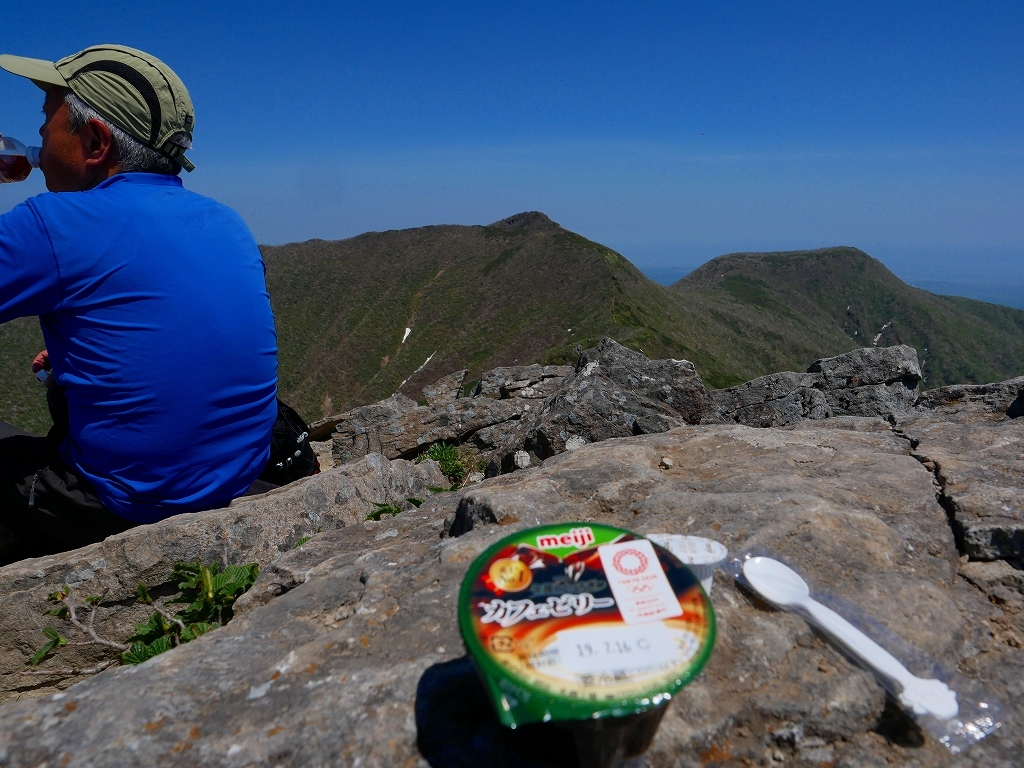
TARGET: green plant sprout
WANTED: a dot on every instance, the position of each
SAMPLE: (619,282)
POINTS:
(208,591)
(447,456)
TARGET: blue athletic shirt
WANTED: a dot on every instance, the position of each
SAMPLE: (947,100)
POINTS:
(154,306)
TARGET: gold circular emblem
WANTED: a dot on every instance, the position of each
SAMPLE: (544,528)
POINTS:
(510,575)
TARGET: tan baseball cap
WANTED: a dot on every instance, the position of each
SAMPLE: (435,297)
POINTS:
(135,91)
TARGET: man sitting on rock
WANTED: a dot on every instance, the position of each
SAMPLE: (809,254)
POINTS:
(154,307)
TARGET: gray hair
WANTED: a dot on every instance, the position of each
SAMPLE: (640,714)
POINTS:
(133,156)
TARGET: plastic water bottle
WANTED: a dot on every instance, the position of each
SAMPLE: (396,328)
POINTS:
(16,160)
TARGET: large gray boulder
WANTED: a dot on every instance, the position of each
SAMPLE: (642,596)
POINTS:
(865,382)
(347,650)
(614,392)
(520,384)
(870,381)
(525,381)
(398,428)
(774,400)
(869,365)
(1003,397)
(446,389)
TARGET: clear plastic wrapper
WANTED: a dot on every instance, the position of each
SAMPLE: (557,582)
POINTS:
(978,712)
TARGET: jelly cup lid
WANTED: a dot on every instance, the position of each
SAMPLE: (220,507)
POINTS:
(576,621)
(692,550)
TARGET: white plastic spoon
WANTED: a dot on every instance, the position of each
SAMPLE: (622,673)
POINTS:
(783,587)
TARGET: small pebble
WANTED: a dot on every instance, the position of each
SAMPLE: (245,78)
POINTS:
(666,463)
(574,442)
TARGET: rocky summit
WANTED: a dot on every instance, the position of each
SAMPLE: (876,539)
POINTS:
(903,509)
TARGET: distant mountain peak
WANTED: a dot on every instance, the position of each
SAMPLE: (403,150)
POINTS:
(825,262)
(527,220)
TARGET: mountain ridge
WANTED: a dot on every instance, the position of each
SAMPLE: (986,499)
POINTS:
(524,289)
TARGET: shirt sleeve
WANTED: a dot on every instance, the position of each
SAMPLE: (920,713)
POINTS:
(29,276)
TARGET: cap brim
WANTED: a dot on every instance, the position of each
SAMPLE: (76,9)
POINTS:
(42,73)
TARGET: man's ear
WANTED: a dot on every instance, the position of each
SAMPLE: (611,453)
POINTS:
(98,146)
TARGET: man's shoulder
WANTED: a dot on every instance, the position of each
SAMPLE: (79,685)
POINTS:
(137,196)
(156,189)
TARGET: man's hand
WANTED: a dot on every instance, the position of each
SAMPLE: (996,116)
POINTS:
(41,362)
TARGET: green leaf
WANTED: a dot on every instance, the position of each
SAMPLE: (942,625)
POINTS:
(245,574)
(161,645)
(140,652)
(192,631)
(55,640)
(200,610)
(440,489)
(54,635)
(189,575)
(156,627)
(301,541)
(415,502)
(93,599)
(220,584)
(42,653)
(232,582)
(207,576)
(60,613)
(137,654)
(142,591)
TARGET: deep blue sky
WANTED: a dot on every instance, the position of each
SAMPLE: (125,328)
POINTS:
(673,132)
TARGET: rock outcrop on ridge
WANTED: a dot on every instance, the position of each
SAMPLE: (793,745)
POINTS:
(399,428)
(536,412)
(864,382)
(614,392)
(346,651)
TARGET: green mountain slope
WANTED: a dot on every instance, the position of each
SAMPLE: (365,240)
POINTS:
(827,298)
(518,291)
(525,290)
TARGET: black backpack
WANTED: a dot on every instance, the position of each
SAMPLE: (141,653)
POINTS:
(291,455)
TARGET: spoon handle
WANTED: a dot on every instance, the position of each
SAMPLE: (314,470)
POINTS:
(859,644)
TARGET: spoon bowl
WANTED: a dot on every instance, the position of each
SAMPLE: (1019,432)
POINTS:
(776,582)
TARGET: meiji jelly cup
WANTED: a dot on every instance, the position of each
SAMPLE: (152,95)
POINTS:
(586,627)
